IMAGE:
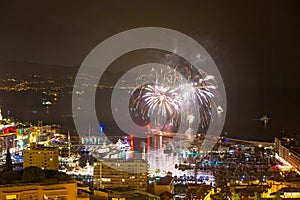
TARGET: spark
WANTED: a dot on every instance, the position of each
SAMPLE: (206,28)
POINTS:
(171,93)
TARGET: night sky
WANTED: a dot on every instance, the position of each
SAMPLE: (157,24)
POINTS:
(255,45)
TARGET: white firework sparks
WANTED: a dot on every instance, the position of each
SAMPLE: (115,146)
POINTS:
(167,94)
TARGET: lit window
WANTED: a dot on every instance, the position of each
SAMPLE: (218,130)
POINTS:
(106,179)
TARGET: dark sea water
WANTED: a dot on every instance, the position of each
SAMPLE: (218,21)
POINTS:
(244,107)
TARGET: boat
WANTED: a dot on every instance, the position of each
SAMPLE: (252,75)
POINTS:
(100,151)
(122,146)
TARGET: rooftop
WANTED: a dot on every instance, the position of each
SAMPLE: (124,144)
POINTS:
(165,180)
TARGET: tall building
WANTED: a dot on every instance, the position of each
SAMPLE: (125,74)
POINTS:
(41,156)
(121,173)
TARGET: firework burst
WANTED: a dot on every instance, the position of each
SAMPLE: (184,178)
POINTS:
(171,93)
(160,101)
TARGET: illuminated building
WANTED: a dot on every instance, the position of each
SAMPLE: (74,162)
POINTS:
(121,173)
(66,191)
(123,194)
(17,138)
(41,156)
(291,155)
